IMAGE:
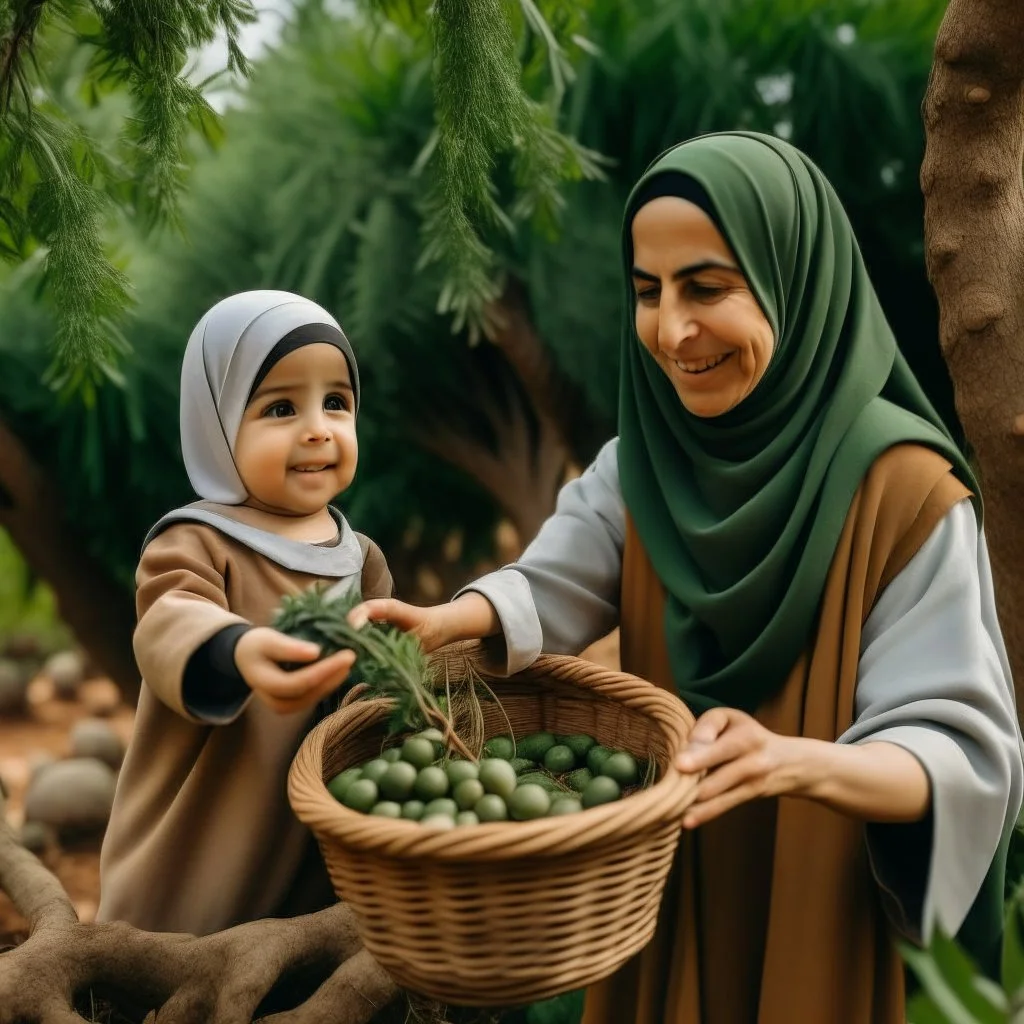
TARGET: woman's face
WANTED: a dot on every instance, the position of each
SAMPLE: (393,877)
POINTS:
(695,312)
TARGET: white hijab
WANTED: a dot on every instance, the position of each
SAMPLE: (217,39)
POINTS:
(222,358)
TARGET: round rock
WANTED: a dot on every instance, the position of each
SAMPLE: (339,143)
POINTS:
(37,837)
(66,670)
(38,762)
(73,794)
(92,738)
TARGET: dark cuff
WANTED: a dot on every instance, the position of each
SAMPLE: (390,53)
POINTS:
(212,687)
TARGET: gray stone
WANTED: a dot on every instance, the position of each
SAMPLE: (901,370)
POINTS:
(92,738)
(73,794)
(36,837)
(66,670)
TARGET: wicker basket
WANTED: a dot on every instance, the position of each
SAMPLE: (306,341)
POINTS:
(507,913)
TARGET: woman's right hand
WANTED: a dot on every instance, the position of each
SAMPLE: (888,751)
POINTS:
(259,655)
(470,617)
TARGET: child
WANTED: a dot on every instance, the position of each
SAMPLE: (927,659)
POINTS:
(201,836)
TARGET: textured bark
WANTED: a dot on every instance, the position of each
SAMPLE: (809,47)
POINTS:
(974,243)
(524,465)
(314,965)
(95,607)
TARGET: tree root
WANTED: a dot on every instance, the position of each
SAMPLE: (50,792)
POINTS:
(304,970)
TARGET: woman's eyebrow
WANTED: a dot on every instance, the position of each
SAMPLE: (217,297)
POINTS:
(694,268)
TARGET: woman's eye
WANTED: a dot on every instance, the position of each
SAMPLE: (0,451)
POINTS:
(647,296)
(335,403)
(279,410)
(704,291)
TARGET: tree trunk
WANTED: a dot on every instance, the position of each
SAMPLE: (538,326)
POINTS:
(527,463)
(974,245)
(100,612)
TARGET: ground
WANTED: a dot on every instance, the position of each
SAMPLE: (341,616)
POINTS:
(45,729)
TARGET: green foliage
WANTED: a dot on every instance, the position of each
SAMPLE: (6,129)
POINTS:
(60,184)
(323,185)
(389,661)
(952,988)
(490,58)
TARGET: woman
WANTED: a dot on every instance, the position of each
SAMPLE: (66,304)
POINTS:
(791,542)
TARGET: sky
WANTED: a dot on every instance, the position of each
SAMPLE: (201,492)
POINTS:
(254,39)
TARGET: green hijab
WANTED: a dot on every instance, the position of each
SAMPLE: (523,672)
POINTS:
(741,513)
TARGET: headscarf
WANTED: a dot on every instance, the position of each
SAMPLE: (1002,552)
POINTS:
(741,513)
(233,347)
(226,356)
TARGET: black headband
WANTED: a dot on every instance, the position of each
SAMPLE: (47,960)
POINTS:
(309,334)
(681,186)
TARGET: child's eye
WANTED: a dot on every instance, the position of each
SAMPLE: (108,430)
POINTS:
(278,410)
(335,403)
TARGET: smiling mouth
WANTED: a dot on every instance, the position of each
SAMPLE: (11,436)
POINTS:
(698,366)
(318,467)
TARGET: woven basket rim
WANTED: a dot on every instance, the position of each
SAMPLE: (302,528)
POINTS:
(666,800)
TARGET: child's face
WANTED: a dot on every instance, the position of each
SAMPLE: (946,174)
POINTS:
(296,447)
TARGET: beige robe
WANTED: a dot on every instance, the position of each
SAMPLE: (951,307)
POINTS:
(201,836)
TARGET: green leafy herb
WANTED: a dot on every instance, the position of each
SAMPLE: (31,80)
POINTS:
(389,661)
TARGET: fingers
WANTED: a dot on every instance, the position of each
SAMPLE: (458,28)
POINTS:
(380,609)
(281,647)
(719,735)
(710,726)
(301,687)
(703,811)
(386,609)
(752,768)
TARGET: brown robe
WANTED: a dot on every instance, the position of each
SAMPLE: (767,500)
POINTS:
(201,836)
(772,914)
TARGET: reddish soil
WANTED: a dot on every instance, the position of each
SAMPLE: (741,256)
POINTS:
(44,730)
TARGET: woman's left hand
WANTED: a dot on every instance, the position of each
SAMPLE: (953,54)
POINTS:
(743,761)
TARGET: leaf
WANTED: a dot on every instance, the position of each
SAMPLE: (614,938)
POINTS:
(947,976)
(1013,945)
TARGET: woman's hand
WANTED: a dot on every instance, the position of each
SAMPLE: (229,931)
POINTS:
(743,761)
(871,781)
(470,617)
(259,655)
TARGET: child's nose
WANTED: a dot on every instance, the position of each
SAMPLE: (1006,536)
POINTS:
(318,428)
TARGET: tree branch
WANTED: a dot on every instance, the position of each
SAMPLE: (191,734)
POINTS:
(554,398)
(974,245)
(224,977)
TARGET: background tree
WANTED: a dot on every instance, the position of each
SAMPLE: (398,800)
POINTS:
(403,167)
(974,227)
(322,185)
(96,109)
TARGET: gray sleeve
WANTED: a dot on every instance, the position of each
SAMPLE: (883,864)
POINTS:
(934,679)
(563,593)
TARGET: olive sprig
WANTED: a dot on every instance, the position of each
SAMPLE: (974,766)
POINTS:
(390,661)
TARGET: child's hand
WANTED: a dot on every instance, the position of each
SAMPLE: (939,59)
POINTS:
(471,617)
(259,655)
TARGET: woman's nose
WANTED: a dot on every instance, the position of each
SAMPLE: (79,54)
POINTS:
(676,325)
